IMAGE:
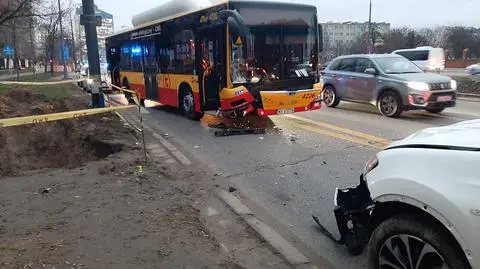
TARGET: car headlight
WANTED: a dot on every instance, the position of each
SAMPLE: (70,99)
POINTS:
(370,165)
(453,84)
(419,86)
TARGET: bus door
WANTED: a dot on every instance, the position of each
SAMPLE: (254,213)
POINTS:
(212,75)
(150,69)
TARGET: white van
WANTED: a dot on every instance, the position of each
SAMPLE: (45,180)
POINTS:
(427,58)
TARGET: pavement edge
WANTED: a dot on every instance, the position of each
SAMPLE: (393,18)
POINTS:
(289,252)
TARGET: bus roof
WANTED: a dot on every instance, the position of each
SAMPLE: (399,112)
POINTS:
(174,16)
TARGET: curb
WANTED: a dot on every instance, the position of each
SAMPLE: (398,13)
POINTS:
(469,97)
(290,253)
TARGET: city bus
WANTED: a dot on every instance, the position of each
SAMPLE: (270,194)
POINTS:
(233,59)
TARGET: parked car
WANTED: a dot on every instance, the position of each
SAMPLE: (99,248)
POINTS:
(473,69)
(388,81)
(417,203)
(427,58)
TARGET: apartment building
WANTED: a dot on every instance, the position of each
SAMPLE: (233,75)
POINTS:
(346,33)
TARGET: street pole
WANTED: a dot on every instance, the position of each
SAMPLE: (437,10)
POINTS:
(62,42)
(370,46)
(91,37)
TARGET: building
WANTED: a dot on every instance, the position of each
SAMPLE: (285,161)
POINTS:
(103,31)
(345,33)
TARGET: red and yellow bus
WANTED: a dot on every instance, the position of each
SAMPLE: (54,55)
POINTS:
(234,58)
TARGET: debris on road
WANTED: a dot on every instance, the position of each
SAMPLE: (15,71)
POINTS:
(232,189)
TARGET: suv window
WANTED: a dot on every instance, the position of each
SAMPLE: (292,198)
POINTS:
(347,64)
(334,65)
(362,64)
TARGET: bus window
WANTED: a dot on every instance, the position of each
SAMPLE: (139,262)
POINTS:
(184,52)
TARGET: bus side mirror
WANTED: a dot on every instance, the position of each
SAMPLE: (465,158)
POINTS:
(235,20)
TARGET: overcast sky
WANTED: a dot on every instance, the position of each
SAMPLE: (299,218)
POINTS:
(414,13)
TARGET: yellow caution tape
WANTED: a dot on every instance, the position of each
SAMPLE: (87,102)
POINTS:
(121,88)
(39,83)
(57,116)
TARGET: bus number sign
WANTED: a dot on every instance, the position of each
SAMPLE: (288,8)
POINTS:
(146,32)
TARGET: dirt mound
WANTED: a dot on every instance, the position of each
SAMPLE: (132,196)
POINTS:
(66,143)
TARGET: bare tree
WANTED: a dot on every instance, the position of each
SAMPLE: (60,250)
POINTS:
(401,38)
(15,9)
(460,39)
(435,37)
(48,27)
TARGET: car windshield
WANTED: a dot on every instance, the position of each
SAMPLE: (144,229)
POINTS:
(280,43)
(397,65)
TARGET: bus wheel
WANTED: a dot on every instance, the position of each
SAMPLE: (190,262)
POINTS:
(187,105)
(128,95)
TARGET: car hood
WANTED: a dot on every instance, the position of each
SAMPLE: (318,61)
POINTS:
(461,135)
(421,77)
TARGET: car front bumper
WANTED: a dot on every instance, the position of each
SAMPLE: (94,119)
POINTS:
(421,100)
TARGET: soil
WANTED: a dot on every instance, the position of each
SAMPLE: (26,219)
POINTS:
(95,203)
(66,143)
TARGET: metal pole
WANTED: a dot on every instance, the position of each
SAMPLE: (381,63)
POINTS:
(62,42)
(91,38)
(370,28)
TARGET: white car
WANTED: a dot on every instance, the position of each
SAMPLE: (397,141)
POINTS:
(427,58)
(418,202)
(473,69)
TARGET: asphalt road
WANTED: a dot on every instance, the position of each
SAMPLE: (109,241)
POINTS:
(292,171)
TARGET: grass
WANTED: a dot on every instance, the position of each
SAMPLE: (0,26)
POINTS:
(42,77)
(51,91)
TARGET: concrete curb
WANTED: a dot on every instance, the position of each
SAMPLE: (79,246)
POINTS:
(469,97)
(291,254)
(171,148)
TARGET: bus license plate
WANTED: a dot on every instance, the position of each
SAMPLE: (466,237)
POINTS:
(445,98)
(285,111)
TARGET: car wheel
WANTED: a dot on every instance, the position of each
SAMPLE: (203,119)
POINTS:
(329,95)
(435,110)
(187,105)
(412,242)
(389,104)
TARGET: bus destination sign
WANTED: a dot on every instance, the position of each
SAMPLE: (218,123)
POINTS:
(146,32)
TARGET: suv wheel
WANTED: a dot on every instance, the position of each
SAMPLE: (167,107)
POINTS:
(412,242)
(389,104)
(330,96)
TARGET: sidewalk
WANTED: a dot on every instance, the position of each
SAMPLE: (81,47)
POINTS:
(114,211)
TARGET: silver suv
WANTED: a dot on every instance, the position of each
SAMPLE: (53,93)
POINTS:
(388,81)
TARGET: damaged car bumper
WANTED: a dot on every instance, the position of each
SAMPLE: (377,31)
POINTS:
(353,206)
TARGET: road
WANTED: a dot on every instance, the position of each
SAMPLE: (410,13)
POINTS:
(292,171)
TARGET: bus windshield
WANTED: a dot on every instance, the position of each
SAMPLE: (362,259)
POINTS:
(281,43)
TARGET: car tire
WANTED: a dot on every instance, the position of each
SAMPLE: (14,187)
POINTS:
(329,96)
(389,239)
(390,104)
(435,110)
(187,105)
